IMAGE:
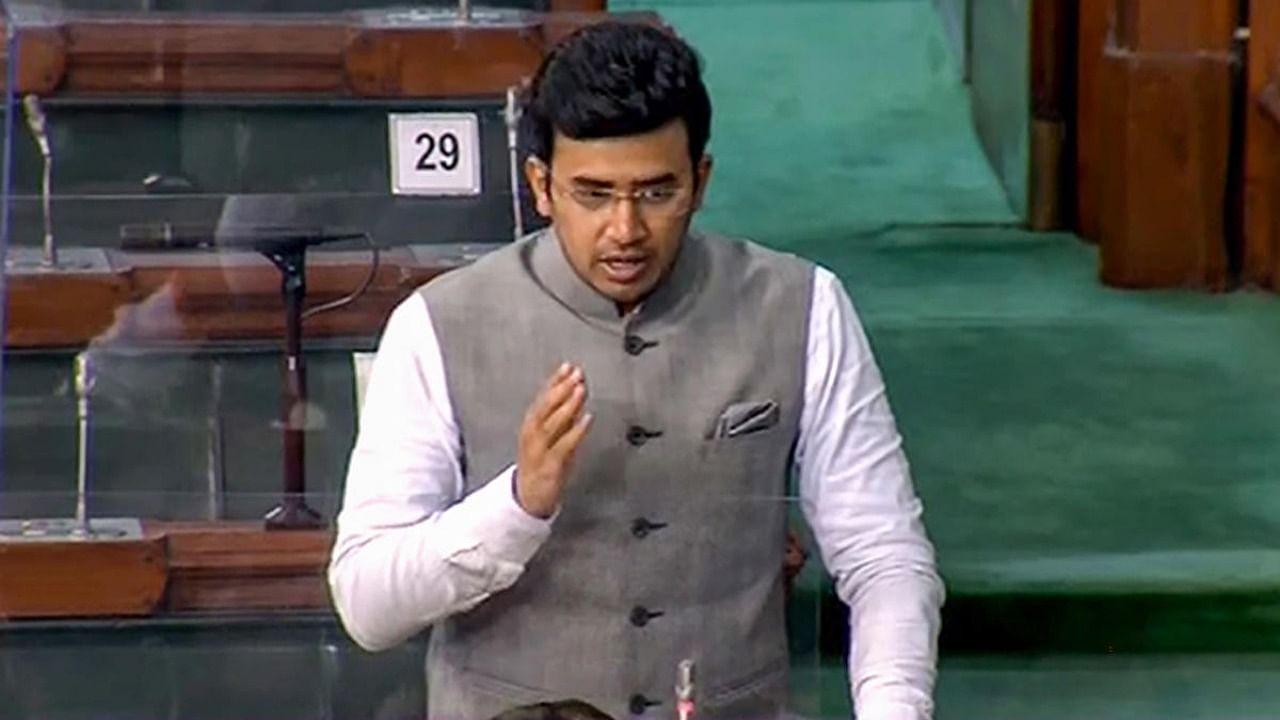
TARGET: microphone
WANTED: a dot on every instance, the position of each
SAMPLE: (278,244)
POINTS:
(36,123)
(684,690)
(262,238)
(39,128)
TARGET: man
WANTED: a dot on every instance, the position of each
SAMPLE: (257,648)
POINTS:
(572,452)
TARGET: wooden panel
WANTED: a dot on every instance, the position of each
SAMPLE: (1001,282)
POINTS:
(1052,23)
(173,57)
(53,310)
(1093,23)
(177,297)
(232,594)
(1165,132)
(1152,27)
(1046,204)
(141,55)
(177,568)
(1160,26)
(239,567)
(1167,123)
(1050,51)
(81,579)
(556,27)
(223,567)
(1262,148)
(406,63)
(42,59)
(578,5)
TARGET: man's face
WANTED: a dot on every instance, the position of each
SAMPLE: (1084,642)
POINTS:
(621,206)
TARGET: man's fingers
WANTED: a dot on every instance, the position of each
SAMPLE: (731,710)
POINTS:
(567,444)
(562,418)
(559,386)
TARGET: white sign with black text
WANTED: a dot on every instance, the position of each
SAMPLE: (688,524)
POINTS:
(435,153)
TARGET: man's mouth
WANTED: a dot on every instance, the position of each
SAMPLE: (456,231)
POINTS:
(624,268)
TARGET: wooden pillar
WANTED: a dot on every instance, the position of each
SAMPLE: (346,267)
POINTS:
(577,5)
(1052,24)
(1092,26)
(1262,148)
(1165,130)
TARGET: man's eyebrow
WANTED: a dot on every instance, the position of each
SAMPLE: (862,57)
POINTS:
(591,182)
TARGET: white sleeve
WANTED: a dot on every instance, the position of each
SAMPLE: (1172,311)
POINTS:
(857,495)
(411,549)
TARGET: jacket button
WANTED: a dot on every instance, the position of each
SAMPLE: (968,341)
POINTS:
(641,527)
(638,436)
(640,615)
(639,703)
(634,344)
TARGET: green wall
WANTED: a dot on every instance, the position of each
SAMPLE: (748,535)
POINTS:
(955,23)
(1000,82)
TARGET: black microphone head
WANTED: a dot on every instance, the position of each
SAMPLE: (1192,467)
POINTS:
(263,238)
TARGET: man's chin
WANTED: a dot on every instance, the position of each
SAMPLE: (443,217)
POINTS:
(624,294)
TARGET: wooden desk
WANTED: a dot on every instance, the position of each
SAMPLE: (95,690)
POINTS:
(1262,149)
(337,55)
(190,297)
(175,568)
(184,299)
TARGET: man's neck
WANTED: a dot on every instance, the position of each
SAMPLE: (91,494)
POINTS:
(625,309)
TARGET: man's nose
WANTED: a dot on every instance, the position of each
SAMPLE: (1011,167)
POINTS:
(625,222)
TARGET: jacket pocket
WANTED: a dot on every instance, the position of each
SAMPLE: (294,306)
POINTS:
(509,692)
(754,682)
(744,418)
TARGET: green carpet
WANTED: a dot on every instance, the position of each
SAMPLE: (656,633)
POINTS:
(1105,687)
(1065,437)
(833,117)
(1099,467)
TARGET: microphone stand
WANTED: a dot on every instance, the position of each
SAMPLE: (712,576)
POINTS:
(293,513)
(38,126)
(286,248)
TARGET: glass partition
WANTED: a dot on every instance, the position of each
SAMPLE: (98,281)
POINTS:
(160,613)
(211,210)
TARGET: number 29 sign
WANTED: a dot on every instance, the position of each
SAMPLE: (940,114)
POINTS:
(434,153)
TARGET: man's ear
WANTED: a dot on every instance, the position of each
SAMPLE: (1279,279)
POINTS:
(703,173)
(538,176)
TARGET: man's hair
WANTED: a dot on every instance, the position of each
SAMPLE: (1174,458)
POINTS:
(612,79)
(561,710)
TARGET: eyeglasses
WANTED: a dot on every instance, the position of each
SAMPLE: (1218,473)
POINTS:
(661,199)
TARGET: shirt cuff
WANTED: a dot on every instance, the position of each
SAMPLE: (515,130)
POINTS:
(508,532)
(891,711)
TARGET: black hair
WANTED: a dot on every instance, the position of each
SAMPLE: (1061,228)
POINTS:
(561,710)
(612,79)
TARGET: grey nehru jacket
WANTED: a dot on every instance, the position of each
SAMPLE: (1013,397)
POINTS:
(669,541)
